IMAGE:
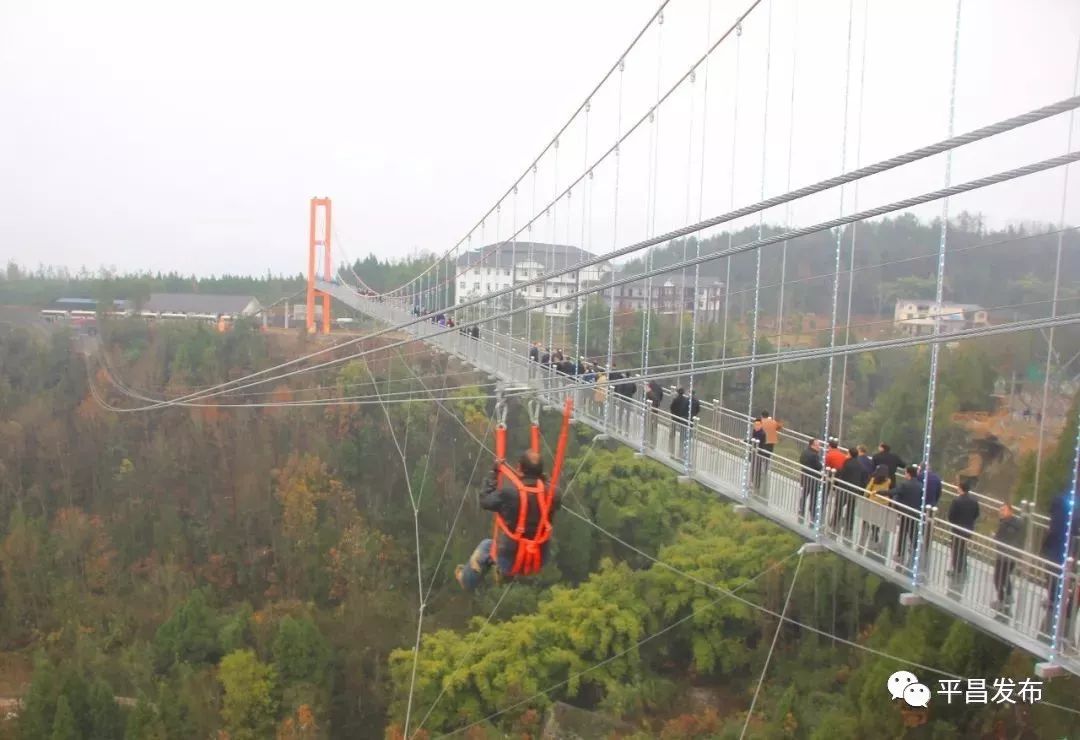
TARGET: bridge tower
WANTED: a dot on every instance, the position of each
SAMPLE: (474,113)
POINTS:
(319,207)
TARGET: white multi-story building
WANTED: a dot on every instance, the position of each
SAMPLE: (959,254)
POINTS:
(917,316)
(491,268)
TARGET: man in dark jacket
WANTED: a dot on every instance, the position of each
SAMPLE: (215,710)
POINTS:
(534,359)
(504,501)
(1054,549)
(889,459)
(1010,532)
(963,513)
(854,476)
(757,440)
(654,394)
(932,483)
(866,461)
(810,475)
(625,390)
(680,412)
(908,494)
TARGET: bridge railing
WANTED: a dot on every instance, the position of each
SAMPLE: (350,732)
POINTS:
(1010,585)
(735,424)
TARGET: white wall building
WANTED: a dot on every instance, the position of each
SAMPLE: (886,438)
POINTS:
(918,316)
(488,269)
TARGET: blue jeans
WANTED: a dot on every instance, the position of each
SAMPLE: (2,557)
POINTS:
(472,573)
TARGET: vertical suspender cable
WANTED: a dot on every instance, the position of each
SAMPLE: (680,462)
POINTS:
(480,261)
(553,218)
(680,289)
(757,255)
(650,221)
(701,207)
(498,306)
(513,264)
(731,203)
(787,208)
(935,348)
(839,233)
(577,280)
(614,244)
(854,226)
(1057,285)
(530,258)
(820,500)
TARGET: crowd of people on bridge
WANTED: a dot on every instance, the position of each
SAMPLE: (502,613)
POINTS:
(684,407)
(832,483)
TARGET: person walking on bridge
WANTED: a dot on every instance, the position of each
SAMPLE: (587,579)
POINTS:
(885,456)
(908,496)
(963,513)
(772,428)
(680,412)
(810,476)
(1010,532)
(654,394)
(534,359)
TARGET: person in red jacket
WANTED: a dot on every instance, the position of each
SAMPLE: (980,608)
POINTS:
(835,457)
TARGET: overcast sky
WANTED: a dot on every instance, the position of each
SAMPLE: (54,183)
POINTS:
(191,135)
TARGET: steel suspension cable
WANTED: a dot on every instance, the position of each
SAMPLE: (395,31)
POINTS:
(731,195)
(985,132)
(682,620)
(854,226)
(787,186)
(757,255)
(608,401)
(650,220)
(935,350)
(585,195)
(1057,287)
(757,244)
(827,428)
(701,209)
(772,647)
(573,117)
(419,573)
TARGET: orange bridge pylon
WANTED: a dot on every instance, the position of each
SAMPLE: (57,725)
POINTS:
(314,243)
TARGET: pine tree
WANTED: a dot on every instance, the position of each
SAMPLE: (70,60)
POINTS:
(64,727)
(144,724)
(106,721)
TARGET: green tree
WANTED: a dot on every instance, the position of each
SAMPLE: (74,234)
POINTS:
(39,705)
(144,724)
(106,720)
(300,651)
(64,727)
(189,635)
(250,704)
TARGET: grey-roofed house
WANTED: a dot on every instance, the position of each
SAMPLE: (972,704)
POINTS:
(200,306)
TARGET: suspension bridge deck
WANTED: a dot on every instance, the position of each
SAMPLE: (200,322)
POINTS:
(1002,590)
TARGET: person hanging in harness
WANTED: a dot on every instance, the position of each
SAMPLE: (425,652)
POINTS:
(524,501)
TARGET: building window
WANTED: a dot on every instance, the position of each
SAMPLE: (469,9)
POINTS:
(537,289)
(476,286)
(462,285)
(554,291)
(508,273)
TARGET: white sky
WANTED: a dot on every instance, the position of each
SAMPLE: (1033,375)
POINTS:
(190,136)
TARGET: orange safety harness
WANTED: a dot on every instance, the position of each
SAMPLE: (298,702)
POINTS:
(528,560)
